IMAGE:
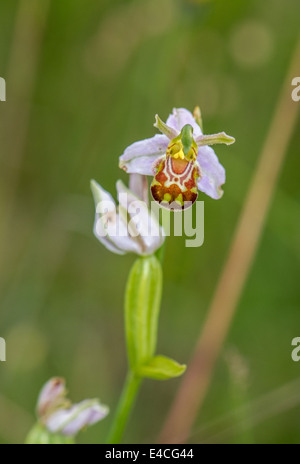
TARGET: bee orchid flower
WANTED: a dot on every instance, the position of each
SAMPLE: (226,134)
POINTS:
(180,160)
(60,416)
(130,226)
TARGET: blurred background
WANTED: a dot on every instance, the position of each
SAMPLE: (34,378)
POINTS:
(84,80)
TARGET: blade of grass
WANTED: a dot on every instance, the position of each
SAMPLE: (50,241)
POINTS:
(268,406)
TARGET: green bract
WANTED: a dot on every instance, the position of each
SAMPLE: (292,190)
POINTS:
(40,435)
(142,306)
(161,368)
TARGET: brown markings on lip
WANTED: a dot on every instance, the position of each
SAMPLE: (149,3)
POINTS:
(179,165)
(181,177)
(158,192)
(161,176)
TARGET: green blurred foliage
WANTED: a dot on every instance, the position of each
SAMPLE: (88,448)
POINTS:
(84,80)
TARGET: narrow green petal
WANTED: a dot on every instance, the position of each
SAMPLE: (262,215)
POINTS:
(214,139)
(167,130)
(198,117)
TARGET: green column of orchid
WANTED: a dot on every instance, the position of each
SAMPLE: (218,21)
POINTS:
(142,306)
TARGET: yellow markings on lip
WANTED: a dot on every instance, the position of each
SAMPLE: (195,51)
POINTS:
(179,199)
(179,154)
(167,197)
(176,152)
(192,154)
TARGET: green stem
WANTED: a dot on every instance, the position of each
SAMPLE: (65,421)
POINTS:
(125,405)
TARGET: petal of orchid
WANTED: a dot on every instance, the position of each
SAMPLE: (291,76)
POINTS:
(140,156)
(51,396)
(100,230)
(110,228)
(138,184)
(118,233)
(198,117)
(180,118)
(221,138)
(143,222)
(165,129)
(70,421)
(213,173)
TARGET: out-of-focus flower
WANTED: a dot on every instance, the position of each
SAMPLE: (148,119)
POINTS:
(60,416)
(180,159)
(130,226)
(70,421)
(52,396)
